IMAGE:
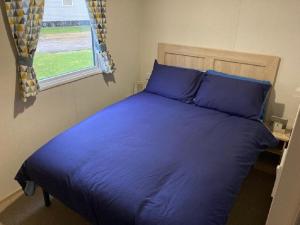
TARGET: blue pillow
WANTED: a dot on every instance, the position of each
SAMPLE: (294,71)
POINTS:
(174,82)
(267,85)
(231,94)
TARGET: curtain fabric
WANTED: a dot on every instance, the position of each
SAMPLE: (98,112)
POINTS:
(25,19)
(97,13)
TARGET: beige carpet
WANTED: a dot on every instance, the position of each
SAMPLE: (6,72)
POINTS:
(251,207)
(31,211)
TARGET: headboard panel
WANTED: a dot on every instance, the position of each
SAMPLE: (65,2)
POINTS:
(261,67)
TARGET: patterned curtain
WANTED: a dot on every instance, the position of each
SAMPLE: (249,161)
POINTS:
(97,13)
(25,19)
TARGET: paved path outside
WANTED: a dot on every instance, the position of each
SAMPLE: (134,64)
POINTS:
(64,42)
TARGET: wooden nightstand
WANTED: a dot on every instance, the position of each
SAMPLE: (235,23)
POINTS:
(284,139)
(271,158)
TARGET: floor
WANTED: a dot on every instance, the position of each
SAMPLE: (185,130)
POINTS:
(31,211)
(251,206)
(253,203)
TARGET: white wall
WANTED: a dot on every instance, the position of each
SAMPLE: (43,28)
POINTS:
(285,206)
(61,107)
(258,26)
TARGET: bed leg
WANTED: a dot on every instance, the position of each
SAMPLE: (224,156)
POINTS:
(46,198)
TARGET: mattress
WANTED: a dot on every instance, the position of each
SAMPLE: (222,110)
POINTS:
(150,160)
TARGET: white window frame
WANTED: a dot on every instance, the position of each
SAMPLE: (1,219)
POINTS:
(65,78)
(62,79)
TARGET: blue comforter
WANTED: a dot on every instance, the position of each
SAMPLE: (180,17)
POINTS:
(150,160)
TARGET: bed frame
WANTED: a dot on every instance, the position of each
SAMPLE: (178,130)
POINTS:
(261,67)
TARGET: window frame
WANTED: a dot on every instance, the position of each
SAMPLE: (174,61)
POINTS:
(52,82)
(66,78)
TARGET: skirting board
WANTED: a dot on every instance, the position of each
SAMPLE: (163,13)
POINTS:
(4,203)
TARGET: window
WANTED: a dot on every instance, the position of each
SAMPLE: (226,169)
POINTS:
(67,2)
(65,48)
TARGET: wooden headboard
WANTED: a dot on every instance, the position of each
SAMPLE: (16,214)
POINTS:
(261,67)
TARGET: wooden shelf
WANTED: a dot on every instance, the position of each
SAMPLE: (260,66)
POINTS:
(282,136)
(284,139)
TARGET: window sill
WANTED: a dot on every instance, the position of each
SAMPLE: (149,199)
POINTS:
(67,78)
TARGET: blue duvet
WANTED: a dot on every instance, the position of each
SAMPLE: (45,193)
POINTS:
(150,160)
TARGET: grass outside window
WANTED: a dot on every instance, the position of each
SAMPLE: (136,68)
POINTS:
(54,64)
(49,63)
(67,29)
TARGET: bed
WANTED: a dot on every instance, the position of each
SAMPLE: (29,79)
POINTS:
(150,160)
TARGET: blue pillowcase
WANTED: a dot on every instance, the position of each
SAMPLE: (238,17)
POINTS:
(174,82)
(231,94)
(217,73)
